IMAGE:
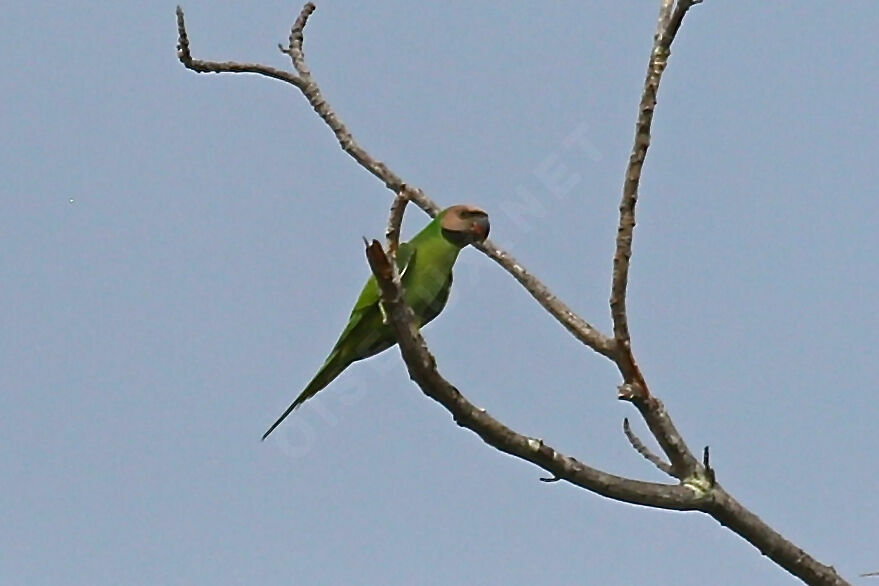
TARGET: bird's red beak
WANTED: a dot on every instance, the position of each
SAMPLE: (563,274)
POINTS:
(481,228)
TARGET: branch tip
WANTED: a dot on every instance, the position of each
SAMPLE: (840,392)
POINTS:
(182,40)
(296,39)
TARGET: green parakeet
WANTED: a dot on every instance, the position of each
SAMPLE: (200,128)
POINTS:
(425,264)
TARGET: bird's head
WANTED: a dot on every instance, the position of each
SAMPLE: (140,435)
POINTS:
(464,224)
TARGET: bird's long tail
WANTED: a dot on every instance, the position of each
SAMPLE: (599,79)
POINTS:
(332,368)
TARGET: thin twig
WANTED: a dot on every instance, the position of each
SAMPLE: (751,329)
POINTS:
(392,234)
(644,450)
(684,464)
(295,50)
(395,220)
(200,66)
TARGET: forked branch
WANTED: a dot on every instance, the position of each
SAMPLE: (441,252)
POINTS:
(697,489)
(423,370)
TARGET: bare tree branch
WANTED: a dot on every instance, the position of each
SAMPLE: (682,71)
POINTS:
(730,513)
(698,489)
(200,66)
(634,389)
(422,369)
(671,15)
(692,494)
(580,328)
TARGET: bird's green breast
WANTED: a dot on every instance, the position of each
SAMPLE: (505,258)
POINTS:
(428,279)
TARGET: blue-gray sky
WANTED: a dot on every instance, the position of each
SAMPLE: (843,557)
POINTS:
(179,252)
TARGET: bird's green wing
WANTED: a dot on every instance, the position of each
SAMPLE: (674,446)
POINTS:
(365,334)
(368,301)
